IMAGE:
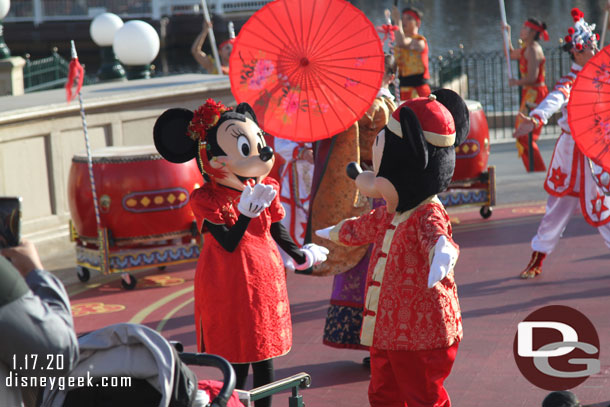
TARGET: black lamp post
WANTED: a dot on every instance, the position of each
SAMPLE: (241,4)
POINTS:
(102,31)
(5,5)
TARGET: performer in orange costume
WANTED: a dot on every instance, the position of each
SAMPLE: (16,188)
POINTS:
(532,82)
(411,53)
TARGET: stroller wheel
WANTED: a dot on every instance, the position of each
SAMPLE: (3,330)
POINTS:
(485,212)
(83,274)
(128,281)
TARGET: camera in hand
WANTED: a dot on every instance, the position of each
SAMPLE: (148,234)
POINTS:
(10,221)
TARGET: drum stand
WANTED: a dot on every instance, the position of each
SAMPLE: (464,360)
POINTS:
(476,191)
(107,257)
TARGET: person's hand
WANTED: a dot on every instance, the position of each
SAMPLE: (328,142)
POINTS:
(314,255)
(506,27)
(308,155)
(254,200)
(396,15)
(24,257)
(513,82)
(207,26)
(527,126)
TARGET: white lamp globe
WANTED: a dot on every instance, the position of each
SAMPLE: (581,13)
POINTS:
(136,43)
(5,5)
(104,27)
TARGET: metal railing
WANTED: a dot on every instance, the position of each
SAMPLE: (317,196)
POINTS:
(484,79)
(39,11)
(47,73)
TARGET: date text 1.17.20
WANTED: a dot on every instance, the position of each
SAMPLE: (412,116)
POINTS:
(35,361)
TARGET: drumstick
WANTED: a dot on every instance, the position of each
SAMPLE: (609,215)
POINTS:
(605,27)
(506,41)
(206,16)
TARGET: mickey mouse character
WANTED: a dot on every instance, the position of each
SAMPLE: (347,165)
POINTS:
(412,319)
(241,304)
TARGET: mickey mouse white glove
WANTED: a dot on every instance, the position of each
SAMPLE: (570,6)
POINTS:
(444,259)
(254,200)
(314,255)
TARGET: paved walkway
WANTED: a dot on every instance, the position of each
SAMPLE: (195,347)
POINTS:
(492,298)
(493,301)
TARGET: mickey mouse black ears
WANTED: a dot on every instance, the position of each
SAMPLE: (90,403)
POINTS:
(458,109)
(170,136)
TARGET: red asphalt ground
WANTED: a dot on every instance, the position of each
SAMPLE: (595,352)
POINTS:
(493,302)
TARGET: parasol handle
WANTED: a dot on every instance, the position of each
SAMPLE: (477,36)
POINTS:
(506,40)
(206,16)
(602,40)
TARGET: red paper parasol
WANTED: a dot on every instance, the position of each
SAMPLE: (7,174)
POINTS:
(308,68)
(589,109)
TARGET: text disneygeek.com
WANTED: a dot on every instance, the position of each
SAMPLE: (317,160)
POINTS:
(15,379)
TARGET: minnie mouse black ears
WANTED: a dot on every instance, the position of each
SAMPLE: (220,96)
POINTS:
(458,109)
(246,110)
(170,136)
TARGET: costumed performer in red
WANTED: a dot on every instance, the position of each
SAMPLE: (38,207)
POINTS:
(533,87)
(411,53)
(568,180)
(241,304)
(412,321)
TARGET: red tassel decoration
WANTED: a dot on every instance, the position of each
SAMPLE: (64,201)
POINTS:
(75,72)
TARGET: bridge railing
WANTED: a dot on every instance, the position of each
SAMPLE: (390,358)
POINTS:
(484,78)
(39,11)
(47,73)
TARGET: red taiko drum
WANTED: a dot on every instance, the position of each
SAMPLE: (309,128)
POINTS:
(472,155)
(142,197)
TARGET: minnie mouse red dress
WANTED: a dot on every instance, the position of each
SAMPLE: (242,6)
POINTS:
(242,311)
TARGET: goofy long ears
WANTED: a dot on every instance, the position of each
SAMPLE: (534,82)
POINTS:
(177,143)
(442,120)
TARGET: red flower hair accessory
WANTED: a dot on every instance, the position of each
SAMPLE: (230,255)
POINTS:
(204,118)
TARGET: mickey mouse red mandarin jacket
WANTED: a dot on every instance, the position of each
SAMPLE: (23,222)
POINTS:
(401,312)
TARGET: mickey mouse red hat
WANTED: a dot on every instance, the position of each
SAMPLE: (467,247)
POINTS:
(436,121)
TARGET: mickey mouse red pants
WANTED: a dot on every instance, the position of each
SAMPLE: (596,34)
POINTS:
(410,378)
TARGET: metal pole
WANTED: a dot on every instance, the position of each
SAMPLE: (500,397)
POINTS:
(38,17)
(102,236)
(602,40)
(506,40)
(530,151)
(206,15)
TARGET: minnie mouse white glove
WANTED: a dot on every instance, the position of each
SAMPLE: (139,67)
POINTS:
(254,200)
(314,255)
(444,258)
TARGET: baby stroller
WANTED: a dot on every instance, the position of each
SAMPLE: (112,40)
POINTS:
(133,365)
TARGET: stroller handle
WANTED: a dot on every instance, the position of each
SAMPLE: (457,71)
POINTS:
(205,359)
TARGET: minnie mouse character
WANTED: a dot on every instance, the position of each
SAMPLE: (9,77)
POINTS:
(412,321)
(241,304)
